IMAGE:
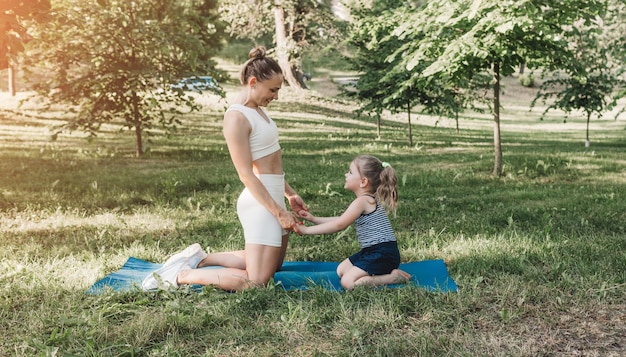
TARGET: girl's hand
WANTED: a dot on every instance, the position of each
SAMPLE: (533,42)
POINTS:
(306,215)
(301,229)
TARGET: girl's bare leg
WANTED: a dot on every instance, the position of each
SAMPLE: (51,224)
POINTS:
(350,276)
(344,267)
(396,276)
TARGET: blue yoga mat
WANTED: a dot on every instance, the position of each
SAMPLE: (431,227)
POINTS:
(429,274)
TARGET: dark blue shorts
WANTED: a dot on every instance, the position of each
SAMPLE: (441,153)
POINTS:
(378,259)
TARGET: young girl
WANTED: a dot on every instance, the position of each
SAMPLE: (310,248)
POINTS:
(373,182)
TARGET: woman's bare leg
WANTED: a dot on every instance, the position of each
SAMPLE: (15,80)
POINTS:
(261,262)
(229,279)
(283,251)
(258,271)
(235,259)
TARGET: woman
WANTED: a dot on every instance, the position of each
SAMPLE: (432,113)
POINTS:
(252,140)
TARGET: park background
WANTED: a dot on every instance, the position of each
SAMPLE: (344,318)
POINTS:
(537,248)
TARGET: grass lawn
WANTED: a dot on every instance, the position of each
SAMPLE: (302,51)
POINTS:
(539,254)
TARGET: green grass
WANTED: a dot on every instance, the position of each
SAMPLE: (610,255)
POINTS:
(539,254)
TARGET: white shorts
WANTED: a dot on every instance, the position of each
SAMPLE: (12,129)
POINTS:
(259,225)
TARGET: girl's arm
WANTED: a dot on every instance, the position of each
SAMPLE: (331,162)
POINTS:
(314,219)
(236,132)
(329,225)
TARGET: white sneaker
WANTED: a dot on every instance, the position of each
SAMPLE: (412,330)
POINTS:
(194,252)
(166,276)
(197,257)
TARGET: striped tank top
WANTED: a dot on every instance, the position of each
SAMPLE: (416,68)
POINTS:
(374,228)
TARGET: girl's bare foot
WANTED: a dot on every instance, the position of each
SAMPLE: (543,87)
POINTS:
(401,276)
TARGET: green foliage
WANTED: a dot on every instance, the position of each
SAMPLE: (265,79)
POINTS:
(385,84)
(591,85)
(117,66)
(308,24)
(248,19)
(375,92)
(446,45)
(237,50)
(13,31)
(614,30)
(527,80)
(592,94)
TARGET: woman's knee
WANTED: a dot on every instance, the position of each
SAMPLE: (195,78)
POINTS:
(259,279)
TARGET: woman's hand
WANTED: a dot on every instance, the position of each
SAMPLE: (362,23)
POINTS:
(288,221)
(297,205)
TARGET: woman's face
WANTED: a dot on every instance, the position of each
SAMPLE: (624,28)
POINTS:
(266,91)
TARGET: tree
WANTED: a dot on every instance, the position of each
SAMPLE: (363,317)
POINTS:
(590,86)
(371,91)
(115,59)
(282,48)
(615,30)
(454,37)
(294,24)
(380,85)
(616,38)
(14,33)
(384,84)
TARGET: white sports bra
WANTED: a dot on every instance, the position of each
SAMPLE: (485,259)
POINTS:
(264,135)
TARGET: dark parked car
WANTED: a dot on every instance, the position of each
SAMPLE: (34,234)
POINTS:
(197,84)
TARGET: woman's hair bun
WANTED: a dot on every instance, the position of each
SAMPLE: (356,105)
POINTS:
(259,65)
(257,52)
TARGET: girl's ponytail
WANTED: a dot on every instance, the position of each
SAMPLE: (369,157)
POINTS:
(387,190)
(383,179)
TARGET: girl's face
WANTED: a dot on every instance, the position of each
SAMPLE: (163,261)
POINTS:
(353,178)
(266,91)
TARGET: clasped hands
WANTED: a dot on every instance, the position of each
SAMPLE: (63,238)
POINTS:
(289,220)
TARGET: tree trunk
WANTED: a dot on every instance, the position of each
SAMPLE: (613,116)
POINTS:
(138,126)
(587,142)
(299,76)
(11,83)
(378,125)
(139,150)
(281,47)
(497,145)
(408,110)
